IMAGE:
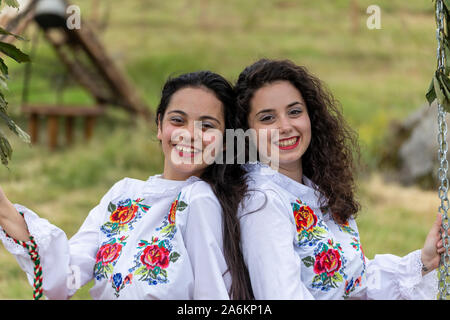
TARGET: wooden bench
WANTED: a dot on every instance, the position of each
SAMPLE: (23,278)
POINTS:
(53,114)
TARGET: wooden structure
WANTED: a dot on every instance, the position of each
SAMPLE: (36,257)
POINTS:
(86,61)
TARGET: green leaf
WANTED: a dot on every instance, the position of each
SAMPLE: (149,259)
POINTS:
(13,52)
(7,33)
(12,3)
(431,94)
(337,277)
(447,56)
(141,271)
(111,207)
(174,256)
(5,149)
(3,83)
(3,67)
(156,270)
(181,206)
(437,89)
(444,85)
(15,128)
(308,261)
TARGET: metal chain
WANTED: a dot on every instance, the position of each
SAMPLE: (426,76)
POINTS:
(444,285)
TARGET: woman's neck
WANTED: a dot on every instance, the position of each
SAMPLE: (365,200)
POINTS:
(170,173)
(293,171)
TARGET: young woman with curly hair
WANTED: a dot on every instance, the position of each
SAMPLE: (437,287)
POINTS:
(299,235)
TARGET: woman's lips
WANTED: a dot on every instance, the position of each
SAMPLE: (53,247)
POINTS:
(288,143)
(186,151)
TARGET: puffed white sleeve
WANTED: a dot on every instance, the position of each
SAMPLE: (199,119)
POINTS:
(390,277)
(267,238)
(204,244)
(66,265)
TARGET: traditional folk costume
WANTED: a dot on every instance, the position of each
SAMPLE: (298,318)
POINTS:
(154,239)
(294,250)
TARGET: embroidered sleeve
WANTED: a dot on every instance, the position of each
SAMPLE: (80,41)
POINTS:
(268,247)
(392,277)
(66,265)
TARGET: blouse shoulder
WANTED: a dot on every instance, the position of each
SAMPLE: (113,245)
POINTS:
(125,185)
(198,190)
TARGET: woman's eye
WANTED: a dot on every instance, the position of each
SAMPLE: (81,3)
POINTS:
(207,125)
(295,112)
(266,118)
(176,120)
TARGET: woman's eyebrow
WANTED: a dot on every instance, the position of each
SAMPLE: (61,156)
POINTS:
(201,118)
(265,110)
(178,111)
(209,118)
(294,103)
(289,105)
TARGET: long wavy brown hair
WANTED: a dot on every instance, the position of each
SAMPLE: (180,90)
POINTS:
(333,155)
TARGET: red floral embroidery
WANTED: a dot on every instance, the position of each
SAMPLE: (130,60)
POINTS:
(124,214)
(154,255)
(327,261)
(108,253)
(305,219)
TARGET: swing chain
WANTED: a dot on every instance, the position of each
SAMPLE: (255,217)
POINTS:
(444,286)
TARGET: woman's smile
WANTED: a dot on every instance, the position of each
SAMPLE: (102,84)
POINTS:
(288,143)
(187,151)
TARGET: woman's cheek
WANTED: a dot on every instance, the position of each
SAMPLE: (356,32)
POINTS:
(212,145)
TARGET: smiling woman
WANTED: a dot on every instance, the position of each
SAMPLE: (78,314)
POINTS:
(304,243)
(183,143)
(173,236)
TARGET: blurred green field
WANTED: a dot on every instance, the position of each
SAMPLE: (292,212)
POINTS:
(377,75)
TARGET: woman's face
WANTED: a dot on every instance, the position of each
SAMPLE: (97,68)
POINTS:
(280,109)
(192,126)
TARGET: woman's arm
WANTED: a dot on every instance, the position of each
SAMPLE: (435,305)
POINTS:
(11,221)
(268,247)
(413,276)
(204,244)
(66,265)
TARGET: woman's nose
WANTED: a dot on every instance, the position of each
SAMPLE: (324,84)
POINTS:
(284,126)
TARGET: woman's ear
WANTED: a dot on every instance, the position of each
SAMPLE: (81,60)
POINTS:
(159,135)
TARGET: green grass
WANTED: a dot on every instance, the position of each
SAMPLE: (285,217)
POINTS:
(377,75)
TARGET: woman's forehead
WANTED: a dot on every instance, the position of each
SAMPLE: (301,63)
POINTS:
(196,102)
(276,95)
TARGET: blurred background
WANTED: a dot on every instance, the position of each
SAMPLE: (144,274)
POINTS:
(380,76)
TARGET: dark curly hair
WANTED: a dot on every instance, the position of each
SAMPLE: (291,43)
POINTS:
(331,158)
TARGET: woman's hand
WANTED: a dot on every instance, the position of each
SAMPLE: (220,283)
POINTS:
(433,247)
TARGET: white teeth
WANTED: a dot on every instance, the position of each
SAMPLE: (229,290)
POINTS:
(286,143)
(186,149)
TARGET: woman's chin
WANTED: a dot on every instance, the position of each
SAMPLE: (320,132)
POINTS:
(188,169)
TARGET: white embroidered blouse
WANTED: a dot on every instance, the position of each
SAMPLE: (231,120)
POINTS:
(154,239)
(295,251)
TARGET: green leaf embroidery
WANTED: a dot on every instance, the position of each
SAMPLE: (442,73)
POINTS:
(111,207)
(181,206)
(308,261)
(337,277)
(141,270)
(174,256)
